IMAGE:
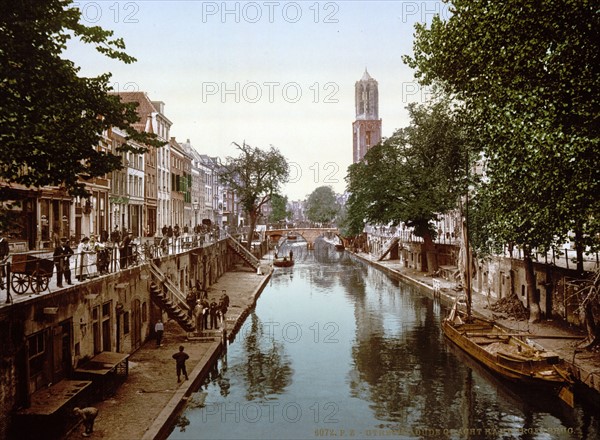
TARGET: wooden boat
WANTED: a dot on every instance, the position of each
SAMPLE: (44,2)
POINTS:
(505,353)
(291,237)
(335,242)
(283,262)
(508,354)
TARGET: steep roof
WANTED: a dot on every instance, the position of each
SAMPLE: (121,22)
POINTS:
(145,107)
(366,76)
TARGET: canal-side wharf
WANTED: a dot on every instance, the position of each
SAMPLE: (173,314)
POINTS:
(585,366)
(147,404)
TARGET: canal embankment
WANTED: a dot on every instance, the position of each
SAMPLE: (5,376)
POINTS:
(584,365)
(147,404)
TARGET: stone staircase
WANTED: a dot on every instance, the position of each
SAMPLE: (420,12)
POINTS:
(244,253)
(387,247)
(172,301)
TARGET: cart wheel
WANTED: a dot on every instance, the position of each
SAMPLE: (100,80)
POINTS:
(39,283)
(20,282)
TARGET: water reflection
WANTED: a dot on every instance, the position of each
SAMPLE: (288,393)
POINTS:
(336,348)
(267,371)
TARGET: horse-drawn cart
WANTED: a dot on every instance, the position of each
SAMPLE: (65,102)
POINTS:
(30,271)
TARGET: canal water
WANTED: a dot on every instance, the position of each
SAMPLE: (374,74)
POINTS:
(337,349)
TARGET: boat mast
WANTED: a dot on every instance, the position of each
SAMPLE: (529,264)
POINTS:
(467,254)
(466,243)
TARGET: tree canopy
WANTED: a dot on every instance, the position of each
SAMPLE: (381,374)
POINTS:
(322,205)
(527,75)
(255,175)
(412,176)
(52,119)
(279,211)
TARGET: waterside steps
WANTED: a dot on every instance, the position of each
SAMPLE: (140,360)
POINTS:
(172,301)
(244,253)
(387,247)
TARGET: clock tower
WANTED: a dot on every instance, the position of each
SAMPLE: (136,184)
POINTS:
(366,129)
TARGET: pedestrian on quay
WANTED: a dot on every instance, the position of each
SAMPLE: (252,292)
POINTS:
(191,300)
(222,310)
(115,235)
(62,254)
(205,310)
(214,310)
(125,251)
(4,251)
(197,315)
(83,249)
(224,298)
(159,328)
(180,358)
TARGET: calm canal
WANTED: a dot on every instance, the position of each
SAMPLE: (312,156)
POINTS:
(336,349)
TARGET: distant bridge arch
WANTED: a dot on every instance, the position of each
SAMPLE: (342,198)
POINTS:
(309,234)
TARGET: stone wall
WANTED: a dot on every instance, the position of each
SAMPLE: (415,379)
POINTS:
(501,276)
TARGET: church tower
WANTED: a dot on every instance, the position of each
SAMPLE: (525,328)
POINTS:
(366,128)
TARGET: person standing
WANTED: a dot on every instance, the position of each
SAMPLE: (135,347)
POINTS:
(4,251)
(180,358)
(83,250)
(62,255)
(159,328)
(222,311)
(197,315)
(191,300)
(224,298)
(125,251)
(223,306)
(214,309)
(115,235)
(205,310)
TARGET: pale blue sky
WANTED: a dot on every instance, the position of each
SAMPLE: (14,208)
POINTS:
(270,73)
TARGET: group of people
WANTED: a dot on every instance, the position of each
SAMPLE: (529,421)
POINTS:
(208,315)
(93,258)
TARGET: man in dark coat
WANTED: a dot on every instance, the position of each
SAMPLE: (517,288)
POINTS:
(62,254)
(214,314)
(4,251)
(126,251)
(180,358)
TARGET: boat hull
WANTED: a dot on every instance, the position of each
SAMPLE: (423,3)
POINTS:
(505,355)
(283,263)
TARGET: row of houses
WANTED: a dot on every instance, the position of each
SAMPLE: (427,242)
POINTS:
(168,186)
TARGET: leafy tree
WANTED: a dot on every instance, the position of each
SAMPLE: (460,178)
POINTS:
(411,177)
(527,73)
(255,175)
(322,205)
(51,119)
(279,211)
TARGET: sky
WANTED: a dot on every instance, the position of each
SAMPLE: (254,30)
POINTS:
(265,73)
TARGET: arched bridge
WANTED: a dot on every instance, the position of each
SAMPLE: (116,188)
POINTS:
(309,234)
